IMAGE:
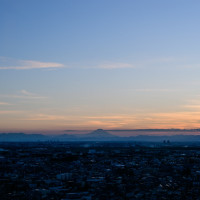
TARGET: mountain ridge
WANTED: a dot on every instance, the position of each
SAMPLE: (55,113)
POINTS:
(97,135)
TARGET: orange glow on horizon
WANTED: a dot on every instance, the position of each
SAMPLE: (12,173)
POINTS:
(179,120)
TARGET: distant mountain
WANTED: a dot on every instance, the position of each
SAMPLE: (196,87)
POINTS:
(97,135)
(22,137)
(172,138)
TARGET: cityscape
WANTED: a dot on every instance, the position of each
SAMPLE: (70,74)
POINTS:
(99,170)
(99,100)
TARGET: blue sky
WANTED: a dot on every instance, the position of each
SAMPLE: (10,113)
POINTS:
(99,64)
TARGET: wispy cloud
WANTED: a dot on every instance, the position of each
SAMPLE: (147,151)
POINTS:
(193,107)
(145,62)
(155,90)
(13,64)
(23,94)
(181,119)
(47,117)
(193,104)
(187,119)
(115,66)
(162,60)
(167,62)
(7,112)
(4,103)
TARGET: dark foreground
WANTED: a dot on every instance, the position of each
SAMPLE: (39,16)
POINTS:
(98,171)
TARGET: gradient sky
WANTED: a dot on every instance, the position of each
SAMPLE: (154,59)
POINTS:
(112,64)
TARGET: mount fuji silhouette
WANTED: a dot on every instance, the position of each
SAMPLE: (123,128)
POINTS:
(99,133)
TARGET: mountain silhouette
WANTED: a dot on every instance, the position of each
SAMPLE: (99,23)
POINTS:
(99,133)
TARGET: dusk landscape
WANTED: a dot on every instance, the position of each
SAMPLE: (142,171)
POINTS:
(99,99)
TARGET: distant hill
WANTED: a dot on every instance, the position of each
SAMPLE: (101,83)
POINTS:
(99,134)
(22,137)
(172,138)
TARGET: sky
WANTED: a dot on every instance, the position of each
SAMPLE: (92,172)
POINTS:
(111,64)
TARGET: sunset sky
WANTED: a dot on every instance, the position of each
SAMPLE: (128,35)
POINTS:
(87,64)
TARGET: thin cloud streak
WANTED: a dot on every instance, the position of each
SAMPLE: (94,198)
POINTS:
(5,112)
(4,103)
(193,104)
(23,95)
(47,117)
(149,120)
(155,90)
(115,66)
(135,64)
(187,119)
(12,64)
(193,107)
(27,93)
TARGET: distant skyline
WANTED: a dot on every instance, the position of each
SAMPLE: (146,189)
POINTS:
(111,64)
